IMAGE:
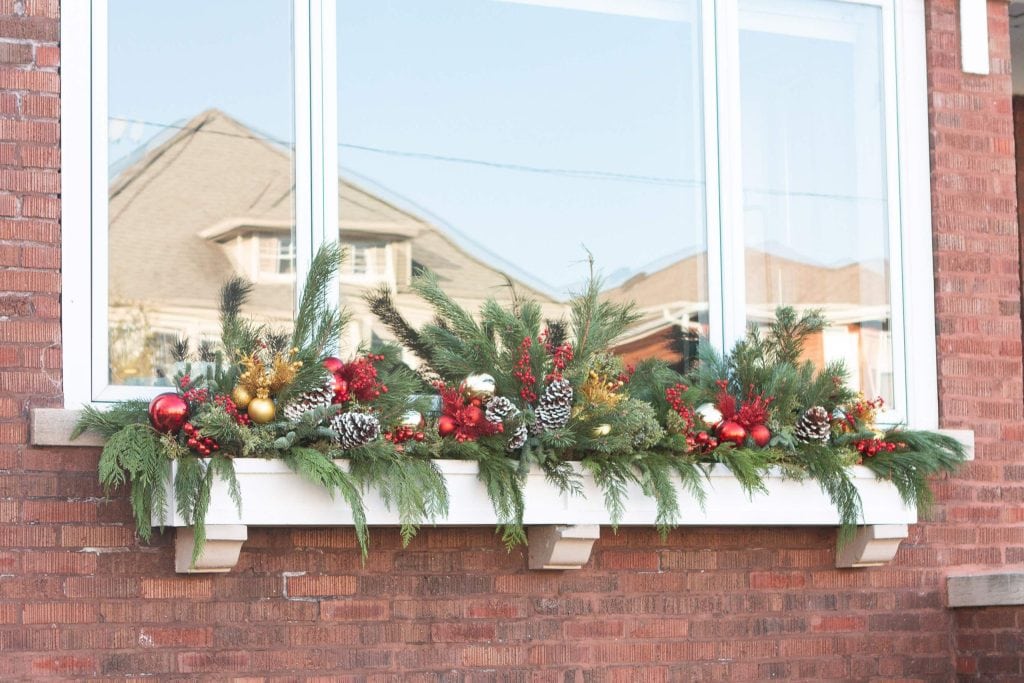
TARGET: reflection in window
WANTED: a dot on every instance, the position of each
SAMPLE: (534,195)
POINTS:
(200,138)
(814,177)
(277,255)
(500,141)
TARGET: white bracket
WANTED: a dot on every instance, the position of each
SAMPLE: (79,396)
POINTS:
(561,547)
(220,552)
(871,546)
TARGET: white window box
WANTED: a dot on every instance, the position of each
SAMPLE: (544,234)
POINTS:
(562,528)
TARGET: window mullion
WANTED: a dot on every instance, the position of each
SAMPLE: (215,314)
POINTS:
(325,60)
(307,217)
(730,172)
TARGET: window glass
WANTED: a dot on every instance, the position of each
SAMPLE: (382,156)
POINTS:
(485,139)
(814,177)
(200,166)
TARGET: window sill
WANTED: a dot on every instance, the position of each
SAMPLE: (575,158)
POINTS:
(561,528)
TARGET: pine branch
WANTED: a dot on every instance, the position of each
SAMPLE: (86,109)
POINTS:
(109,422)
(613,476)
(382,305)
(320,469)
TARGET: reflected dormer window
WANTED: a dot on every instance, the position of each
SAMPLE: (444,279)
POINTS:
(277,256)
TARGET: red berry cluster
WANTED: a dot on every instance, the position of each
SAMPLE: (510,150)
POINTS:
(871,447)
(203,445)
(402,434)
(561,356)
(193,395)
(674,396)
(229,407)
(702,441)
(524,373)
(358,379)
(627,374)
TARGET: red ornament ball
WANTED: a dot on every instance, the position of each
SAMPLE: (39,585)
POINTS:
(472,415)
(446,425)
(732,432)
(333,364)
(761,435)
(168,413)
(340,387)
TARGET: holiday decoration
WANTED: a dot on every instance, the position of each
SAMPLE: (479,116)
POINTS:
(261,410)
(760,435)
(168,412)
(814,425)
(512,391)
(313,399)
(733,432)
(479,385)
(241,396)
(355,429)
(554,406)
(711,415)
(412,419)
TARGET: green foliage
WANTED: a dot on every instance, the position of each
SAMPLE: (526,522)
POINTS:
(613,475)
(504,483)
(923,455)
(314,466)
(111,421)
(830,467)
(134,455)
(413,486)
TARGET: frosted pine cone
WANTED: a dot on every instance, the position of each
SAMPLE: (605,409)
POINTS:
(355,429)
(518,438)
(499,408)
(554,406)
(310,400)
(814,426)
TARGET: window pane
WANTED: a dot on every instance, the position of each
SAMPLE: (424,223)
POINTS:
(814,177)
(200,147)
(482,138)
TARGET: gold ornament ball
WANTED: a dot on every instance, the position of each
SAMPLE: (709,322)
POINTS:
(711,415)
(478,386)
(261,410)
(241,396)
(602,430)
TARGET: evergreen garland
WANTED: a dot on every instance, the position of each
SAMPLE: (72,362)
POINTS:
(559,396)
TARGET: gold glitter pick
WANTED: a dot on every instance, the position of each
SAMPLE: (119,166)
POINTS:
(599,391)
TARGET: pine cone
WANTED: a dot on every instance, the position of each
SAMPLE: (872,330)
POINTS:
(355,429)
(499,408)
(518,438)
(815,426)
(310,400)
(554,406)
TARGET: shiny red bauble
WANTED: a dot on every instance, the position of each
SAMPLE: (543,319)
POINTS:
(333,364)
(446,425)
(472,415)
(760,435)
(340,387)
(168,413)
(732,432)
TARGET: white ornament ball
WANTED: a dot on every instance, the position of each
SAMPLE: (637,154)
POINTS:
(711,415)
(413,419)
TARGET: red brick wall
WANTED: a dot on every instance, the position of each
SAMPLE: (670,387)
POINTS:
(80,597)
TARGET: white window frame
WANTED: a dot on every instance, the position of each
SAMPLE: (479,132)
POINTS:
(84,171)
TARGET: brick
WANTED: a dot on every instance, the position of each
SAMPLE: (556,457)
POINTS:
(354,610)
(298,586)
(15,53)
(59,613)
(185,587)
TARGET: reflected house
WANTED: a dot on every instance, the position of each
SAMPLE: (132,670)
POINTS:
(216,199)
(853,296)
